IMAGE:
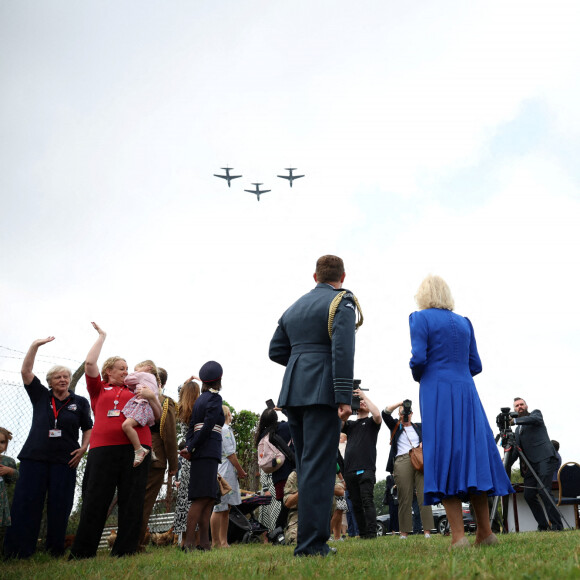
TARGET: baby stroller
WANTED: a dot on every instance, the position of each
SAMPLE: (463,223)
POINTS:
(246,530)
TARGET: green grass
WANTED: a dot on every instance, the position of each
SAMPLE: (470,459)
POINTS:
(527,555)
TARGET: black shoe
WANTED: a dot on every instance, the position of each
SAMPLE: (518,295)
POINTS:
(332,552)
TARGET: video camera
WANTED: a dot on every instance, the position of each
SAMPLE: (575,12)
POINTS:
(355,405)
(504,418)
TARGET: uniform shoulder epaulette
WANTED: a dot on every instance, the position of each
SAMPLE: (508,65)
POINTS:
(164,411)
(334,307)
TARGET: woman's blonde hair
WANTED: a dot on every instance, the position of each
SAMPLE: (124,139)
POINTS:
(227,411)
(188,395)
(57,369)
(148,366)
(108,365)
(434,293)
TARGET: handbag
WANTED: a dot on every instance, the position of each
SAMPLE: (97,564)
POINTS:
(224,486)
(416,455)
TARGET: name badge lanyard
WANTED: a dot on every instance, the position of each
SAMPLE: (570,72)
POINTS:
(114,412)
(56,432)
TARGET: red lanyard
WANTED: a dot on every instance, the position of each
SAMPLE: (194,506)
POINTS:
(57,412)
(117,396)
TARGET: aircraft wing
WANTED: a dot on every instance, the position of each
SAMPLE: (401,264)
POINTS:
(286,176)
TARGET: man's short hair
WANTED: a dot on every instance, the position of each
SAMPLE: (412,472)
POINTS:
(329,269)
(519,399)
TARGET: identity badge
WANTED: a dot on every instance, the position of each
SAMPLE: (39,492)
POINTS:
(55,433)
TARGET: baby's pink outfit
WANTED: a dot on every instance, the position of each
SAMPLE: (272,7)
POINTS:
(140,409)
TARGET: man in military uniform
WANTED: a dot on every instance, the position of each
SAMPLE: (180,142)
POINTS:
(315,342)
(164,447)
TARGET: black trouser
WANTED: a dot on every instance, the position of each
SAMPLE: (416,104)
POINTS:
(361,491)
(37,479)
(545,471)
(315,431)
(110,468)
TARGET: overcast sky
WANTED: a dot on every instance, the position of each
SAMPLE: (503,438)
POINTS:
(435,137)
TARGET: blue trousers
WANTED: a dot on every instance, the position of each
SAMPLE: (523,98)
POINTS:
(351,520)
(315,431)
(37,480)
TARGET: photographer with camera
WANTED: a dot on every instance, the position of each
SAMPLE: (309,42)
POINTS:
(405,436)
(532,437)
(360,462)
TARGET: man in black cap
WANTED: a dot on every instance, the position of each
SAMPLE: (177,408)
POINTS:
(315,342)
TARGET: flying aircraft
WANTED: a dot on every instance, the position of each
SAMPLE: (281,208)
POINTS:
(227,176)
(290,177)
(258,192)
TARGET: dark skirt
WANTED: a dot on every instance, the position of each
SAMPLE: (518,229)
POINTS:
(203,479)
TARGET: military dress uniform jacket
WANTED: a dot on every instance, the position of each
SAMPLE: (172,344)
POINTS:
(164,437)
(319,371)
(532,436)
(204,436)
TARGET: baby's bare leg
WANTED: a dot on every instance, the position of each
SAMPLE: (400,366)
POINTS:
(129,430)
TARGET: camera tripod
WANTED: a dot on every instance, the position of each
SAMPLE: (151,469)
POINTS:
(508,442)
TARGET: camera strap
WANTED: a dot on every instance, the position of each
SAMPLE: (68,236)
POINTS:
(395,430)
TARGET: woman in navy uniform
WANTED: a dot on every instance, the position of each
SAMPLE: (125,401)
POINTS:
(48,460)
(204,449)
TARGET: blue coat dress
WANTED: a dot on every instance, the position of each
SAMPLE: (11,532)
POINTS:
(459,451)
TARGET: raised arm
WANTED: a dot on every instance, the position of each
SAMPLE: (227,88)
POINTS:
(373,409)
(28,362)
(91,367)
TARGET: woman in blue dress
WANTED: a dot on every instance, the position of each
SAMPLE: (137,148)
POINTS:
(461,459)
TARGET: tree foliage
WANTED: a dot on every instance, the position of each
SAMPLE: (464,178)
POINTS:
(379,494)
(244,425)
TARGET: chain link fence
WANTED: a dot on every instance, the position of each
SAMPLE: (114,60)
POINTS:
(16,416)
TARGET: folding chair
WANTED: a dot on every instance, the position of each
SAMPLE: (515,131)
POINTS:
(569,484)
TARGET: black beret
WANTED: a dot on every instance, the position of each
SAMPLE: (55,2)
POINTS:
(211,371)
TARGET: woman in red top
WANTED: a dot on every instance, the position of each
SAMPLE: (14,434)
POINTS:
(110,459)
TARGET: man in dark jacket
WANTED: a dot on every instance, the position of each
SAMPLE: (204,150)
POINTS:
(532,437)
(315,342)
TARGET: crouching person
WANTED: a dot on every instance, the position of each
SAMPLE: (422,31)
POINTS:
(291,503)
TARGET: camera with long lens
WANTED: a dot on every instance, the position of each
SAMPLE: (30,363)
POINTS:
(276,536)
(355,405)
(504,418)
(407,410)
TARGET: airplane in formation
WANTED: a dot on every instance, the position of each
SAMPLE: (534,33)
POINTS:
(257,192)
(227,176)
(290,177)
